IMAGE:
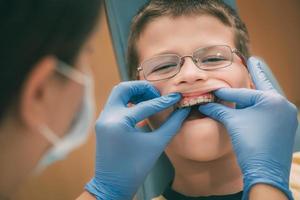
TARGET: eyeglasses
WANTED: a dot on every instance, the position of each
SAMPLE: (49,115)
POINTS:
(166,66)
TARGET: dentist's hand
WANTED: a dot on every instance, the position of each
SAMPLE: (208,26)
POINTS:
(262,130)
(125,154)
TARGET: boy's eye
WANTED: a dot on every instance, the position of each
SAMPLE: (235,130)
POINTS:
(164,68)
(213,59)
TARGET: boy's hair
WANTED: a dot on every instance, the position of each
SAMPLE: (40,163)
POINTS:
(176,8)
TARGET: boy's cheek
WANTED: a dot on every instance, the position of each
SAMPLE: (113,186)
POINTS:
(164,87)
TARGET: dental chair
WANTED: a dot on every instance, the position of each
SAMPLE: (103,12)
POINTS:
(119,15)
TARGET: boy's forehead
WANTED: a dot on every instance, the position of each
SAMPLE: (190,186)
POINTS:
(183,34)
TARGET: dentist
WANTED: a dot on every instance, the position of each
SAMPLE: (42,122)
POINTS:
(47,103)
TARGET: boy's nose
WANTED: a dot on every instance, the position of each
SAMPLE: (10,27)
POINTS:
(190,73)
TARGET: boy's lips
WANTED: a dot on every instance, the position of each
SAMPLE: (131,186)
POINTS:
(195,114)
(194,102)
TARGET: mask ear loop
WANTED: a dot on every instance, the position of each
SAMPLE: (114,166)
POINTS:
(68,71)
(48,134)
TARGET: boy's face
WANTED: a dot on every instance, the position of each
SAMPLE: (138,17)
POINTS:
(200,138)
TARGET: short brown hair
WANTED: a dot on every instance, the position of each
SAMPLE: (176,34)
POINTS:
(176,8)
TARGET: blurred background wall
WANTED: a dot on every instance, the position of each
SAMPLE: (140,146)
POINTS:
(274,28)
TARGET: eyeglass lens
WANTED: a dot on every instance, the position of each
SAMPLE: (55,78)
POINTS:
(168,65)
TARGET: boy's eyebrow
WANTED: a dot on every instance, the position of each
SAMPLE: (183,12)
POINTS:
(177,53)
(166,52)
(163,52)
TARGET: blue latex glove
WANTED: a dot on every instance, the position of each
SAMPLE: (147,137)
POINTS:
(262,130)
(125,154)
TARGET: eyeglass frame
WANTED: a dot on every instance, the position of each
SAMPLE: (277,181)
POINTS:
(182,59)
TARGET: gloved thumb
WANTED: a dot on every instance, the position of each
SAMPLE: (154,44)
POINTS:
(216,111)
(172,124)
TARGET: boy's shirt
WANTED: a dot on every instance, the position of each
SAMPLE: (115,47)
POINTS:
(170,194)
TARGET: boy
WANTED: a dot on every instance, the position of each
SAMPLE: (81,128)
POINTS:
(193,47)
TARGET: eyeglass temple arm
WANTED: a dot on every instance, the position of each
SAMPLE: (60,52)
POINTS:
(242,57)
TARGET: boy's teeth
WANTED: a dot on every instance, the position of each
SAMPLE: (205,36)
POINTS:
(196,100)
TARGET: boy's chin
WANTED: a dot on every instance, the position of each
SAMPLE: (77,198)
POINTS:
(209,155)
(201,140)
(200,154)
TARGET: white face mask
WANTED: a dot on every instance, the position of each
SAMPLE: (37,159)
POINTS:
(78,132)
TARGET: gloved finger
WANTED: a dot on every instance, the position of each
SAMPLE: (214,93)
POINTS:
(145,109)
(242,96)
(256,69)
(128,91)
(172,125)
(148,95)
(216,111)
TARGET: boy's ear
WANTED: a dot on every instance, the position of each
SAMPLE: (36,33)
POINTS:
(252,85)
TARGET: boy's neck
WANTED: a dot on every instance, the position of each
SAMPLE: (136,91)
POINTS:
(217,177)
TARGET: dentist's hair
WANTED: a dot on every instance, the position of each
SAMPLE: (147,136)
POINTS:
(33,29)
(171,8)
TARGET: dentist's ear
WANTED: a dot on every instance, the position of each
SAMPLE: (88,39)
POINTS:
(37,93)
